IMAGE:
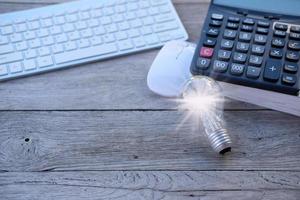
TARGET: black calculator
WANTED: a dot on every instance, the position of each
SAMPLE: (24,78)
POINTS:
(253,43)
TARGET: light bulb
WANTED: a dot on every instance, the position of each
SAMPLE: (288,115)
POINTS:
(203,99)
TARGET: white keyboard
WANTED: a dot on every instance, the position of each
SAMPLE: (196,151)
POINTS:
(69,34)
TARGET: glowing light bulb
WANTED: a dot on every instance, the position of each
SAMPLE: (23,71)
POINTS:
(203,100)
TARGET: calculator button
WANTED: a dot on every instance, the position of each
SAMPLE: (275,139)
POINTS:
(262,30)
(253,72)
(227,44)
(276,42)
(279,33)
(230,34)
(237,69)
(282,27)
(220,66)
(209,42)
(213,32)
(255,60)
(248,21)
(203,63)
(215,23)
(272,70)
(242,47)
(289,79)
(234,19)
(260,39)
(291,67)
(206,52)
(245,36)
(295,29)
(247,28)
(292,56)
(295,36)
(224,55)
(217,16)
(264,24)
(258,49)
(294,45)
(276,53)
(232,25)
(239,57)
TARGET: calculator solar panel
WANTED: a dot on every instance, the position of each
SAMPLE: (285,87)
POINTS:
(250,48)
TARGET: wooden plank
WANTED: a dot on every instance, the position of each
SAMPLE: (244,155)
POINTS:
(114,84)
(39,141)
(150,185)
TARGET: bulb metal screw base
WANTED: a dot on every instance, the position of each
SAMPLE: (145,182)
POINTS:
(220,141)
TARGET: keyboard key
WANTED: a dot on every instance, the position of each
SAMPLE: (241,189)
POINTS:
(44,61)
(264,24)
(295,36)
(215,23)
(3,70)
(17,37)
(253,72)
(125,45)
(291,67)
(264,31)
(295,29)
(242,47)
(234,19)
(239,57)
(34,43)
(6,49)
(139,42)
(57,48)
(247,28)
(69,46)
(209,42)
(292,56)
(272,70)
(20,46)
(260,39)
(15,67)
(212,32)
(231,25)
(31,53)
(151,39)
(220,66)
(47,41)
(3,40)
(237,69)
(282,27)
(6,30)
(164,27)
(11,57)
(246,37)
(279,33)
(203,63)
(85,53)
(230,34)
(258,49)
(224,55)
(255,60)
(217,16)
(276,53)
(279,43)
(293,45)
(227,44)
(248,21)
(206,52)
(289,79)
(29,65)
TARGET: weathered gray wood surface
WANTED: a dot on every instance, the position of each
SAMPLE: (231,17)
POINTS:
(90,132)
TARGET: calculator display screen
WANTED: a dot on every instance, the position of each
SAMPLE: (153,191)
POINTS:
(287,7)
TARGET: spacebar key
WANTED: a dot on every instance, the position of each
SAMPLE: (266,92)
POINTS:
(85,53)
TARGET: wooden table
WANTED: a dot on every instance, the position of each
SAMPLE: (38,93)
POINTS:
(97,132)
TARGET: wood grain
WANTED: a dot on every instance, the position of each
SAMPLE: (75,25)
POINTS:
(150,185)
(152,140)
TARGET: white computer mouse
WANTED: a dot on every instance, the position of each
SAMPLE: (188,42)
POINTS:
(171,69)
